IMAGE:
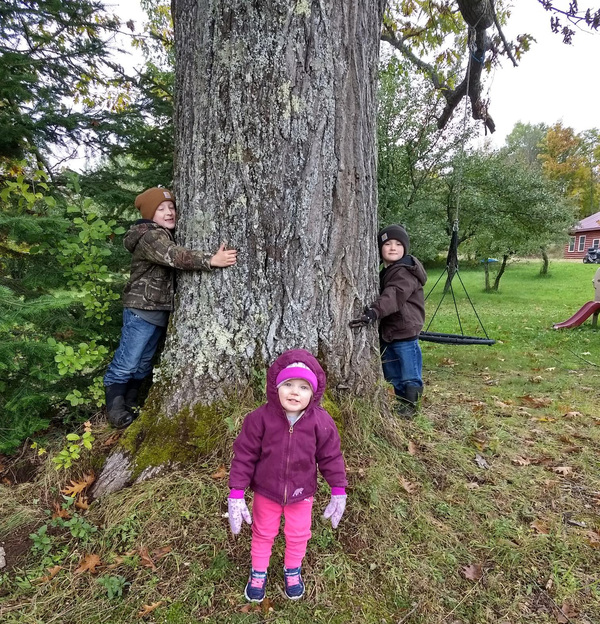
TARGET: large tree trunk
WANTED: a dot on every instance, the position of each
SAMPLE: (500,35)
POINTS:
(275,154)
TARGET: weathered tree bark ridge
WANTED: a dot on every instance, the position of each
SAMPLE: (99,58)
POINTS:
(275,120)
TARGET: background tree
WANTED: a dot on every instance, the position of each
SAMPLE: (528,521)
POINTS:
(52,58)
(509,210)
(571,160)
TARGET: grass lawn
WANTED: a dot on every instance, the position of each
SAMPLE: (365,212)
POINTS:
(484,509)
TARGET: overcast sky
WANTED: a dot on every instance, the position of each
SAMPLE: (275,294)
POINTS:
(553,82)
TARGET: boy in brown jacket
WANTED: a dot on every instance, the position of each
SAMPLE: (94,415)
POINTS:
(148,298)
(401,309)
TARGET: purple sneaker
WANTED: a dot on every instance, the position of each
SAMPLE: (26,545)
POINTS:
(255,588)
(294,585)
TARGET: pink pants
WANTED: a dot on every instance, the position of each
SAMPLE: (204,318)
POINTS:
(265,527)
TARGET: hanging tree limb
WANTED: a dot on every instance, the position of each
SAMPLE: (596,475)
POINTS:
(452,96)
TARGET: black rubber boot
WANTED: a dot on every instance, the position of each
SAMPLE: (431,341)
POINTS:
(132,393)
(118,414)
(408,403)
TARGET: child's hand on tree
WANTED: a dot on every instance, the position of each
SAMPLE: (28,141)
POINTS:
(335,509)
(238,511)
(224,257)
(366,318)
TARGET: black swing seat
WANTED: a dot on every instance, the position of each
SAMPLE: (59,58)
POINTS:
(456,339)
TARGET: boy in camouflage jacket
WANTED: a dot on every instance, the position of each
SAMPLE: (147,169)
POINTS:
(148,298)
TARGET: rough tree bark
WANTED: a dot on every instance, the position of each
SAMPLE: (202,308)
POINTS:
(275,154)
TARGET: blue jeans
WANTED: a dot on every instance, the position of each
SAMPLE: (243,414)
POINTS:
(402,364)
(133,357)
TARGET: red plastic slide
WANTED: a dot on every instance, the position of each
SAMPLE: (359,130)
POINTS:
(586,310)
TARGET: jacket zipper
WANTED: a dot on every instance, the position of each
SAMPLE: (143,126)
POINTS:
(287,464)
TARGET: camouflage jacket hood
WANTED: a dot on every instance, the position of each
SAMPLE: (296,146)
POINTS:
(151,285)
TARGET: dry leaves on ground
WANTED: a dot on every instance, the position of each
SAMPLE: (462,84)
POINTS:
(78,486)
(52,572)
(413,449)
(59,512)
(146,558)
(566,614)
(473,572)
(408,486)
(521,461)
(161,552)
(593,539)
(147,609)
(89,563)
(221,473)
(563,470)
(540,526)
(535,401)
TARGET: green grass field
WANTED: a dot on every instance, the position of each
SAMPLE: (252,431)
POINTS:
(484,509)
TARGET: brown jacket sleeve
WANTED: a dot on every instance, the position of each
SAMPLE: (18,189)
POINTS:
(157,246)
(394,295)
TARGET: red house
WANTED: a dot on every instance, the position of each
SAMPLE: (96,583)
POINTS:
(584,235)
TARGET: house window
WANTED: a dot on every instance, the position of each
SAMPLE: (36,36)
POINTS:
(596,243)
(581,243)
(572,244)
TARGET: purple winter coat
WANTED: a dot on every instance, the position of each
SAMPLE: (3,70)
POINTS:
(280,461)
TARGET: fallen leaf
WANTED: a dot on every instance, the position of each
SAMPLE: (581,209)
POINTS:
(78,486)
(408,486)
(543,419)
(566,614)
(59,512)
(147,609)
(542,461)
(536,379)
(267,606)
(82,502)
(473,572)
(472,485)
(412,448)
(593,539)
(112,439)
(480,443)
(448,362)
(521,461)
(563,470)
(535,401)
(502,405)
(540,526)
(52,572)
(89,563)
(87,426)
(571,415)
(146,559)
(573,449)
(250,608)
(480,461)
(221,473)
(159,553)
(116,563)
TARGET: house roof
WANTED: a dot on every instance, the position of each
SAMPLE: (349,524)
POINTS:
(589,223)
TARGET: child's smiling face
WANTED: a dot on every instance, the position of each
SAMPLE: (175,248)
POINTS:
(392,250)
(295,395)
(165,215)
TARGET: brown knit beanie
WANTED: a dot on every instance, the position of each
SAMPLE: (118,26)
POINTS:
(396,232)
(148,201)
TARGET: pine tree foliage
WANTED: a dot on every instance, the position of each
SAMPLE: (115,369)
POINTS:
(43,316)
(53,56)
